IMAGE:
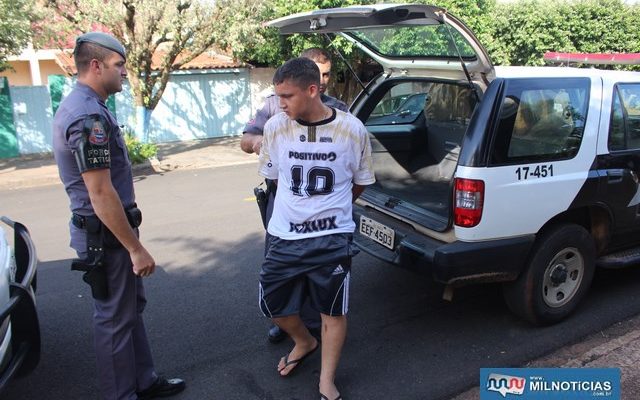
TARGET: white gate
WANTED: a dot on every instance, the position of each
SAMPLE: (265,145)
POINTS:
(33,118)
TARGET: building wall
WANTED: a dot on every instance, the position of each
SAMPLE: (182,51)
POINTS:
(21,76)
(49,67)
(261,86)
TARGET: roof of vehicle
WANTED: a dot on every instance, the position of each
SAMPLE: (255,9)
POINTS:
(562,72)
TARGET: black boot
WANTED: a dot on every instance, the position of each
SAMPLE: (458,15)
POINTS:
(276,335)
(162,387)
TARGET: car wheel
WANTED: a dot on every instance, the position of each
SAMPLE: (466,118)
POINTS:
(558,275)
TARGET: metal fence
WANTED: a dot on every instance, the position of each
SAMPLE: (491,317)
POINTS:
(195,106)
(8,139)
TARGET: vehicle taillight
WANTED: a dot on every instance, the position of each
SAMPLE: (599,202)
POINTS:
(469,198)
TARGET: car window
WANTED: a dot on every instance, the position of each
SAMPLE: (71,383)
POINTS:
(402,104)
(540,120)
(450,103)
(624,131)
(431,41)
(440,102)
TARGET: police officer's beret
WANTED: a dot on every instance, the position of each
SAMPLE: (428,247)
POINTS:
(103,40)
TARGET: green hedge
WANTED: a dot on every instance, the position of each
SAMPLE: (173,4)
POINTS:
(514,33)
(139,152)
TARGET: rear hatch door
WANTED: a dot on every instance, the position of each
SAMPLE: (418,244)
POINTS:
(400,37)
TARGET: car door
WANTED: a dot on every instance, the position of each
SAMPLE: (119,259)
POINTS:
(6,264)
(19,327)
(619,167)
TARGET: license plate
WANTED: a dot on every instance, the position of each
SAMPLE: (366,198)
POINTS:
(377,232)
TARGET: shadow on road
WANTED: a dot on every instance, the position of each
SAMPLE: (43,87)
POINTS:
(404,341)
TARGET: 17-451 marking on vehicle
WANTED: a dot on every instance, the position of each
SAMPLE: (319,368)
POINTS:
(540,171)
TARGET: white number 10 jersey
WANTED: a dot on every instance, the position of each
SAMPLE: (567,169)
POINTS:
(316,166)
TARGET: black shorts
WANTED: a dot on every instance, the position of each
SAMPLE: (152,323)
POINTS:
(318,268)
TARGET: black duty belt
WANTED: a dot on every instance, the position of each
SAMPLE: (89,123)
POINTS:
(134,216)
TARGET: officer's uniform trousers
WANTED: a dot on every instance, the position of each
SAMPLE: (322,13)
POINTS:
(123,355)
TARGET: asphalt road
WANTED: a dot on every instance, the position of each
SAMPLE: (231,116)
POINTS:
(204,324)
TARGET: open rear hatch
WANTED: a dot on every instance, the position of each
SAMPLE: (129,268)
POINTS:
(399,36)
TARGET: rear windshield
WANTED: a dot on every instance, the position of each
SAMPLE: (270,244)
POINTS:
(432,41)
(540,120)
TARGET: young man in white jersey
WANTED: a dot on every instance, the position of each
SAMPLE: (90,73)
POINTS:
(321,159)
(251,142)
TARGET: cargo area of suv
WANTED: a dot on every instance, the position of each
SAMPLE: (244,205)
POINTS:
(416,145)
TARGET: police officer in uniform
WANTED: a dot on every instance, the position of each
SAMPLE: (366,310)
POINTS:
(96,172)
(251,142)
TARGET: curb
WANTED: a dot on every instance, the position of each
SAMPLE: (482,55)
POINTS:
(48,175)
(615,347)
(599,352)
(14,178)
(40,169)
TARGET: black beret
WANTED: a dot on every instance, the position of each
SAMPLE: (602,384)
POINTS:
(103,40)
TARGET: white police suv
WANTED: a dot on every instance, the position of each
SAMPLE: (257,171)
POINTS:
(521,175)
(19,328)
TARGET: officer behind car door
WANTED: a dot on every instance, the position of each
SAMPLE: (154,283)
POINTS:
(96,172)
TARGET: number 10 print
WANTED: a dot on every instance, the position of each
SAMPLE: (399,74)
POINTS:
(319,180)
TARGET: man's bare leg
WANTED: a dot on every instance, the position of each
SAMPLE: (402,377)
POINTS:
(304,342)
(334,332)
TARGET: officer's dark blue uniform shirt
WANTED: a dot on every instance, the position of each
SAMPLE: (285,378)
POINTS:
(83,119)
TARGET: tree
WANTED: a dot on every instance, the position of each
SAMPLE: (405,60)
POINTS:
(178,30)
(600,26)
(15,28)
(525,30)
(241,32)
(249,40)
(252,42)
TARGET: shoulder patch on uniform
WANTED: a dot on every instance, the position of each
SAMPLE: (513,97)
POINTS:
(97,133)
(93,150)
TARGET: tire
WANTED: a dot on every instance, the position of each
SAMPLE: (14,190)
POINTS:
(557,276)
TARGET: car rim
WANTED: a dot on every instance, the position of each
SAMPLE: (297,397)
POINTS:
(563,277)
